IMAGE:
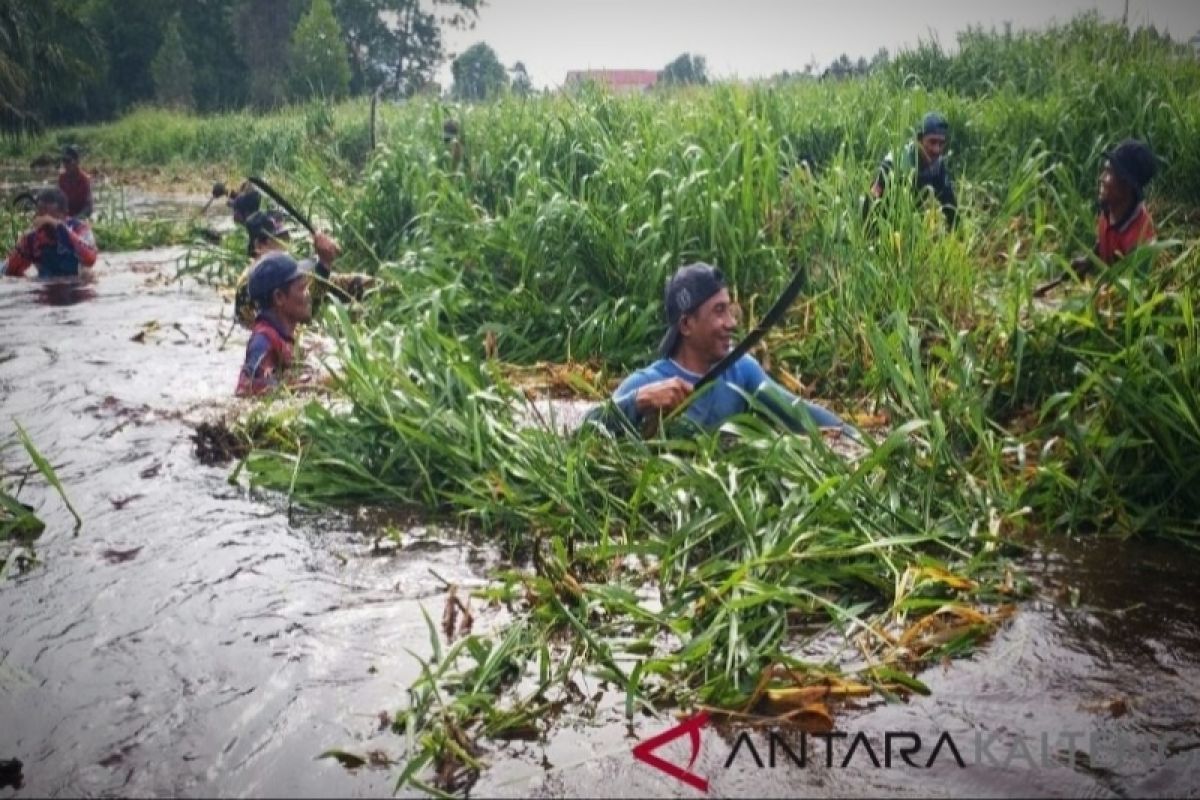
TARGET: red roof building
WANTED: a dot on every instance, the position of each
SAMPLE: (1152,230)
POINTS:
(617,80)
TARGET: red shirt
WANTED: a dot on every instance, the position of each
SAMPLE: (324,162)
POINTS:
(1115,241)
(78,189)
(58,253)
(269,353)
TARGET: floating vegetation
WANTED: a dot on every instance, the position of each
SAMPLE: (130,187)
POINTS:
(751,573)
(19,525)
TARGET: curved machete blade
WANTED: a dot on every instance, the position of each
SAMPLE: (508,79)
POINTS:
(755,336)
(270,192)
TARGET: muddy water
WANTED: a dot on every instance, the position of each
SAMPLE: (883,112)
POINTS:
(113,199)
(197,639)
(191,639)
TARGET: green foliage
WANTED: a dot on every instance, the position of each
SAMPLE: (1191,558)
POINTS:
(549,237)
(262,29)
(172,70)
(522,86)
(318,63)
(19,525)
(478,74)
(686,69)
(49,57)
(411,50)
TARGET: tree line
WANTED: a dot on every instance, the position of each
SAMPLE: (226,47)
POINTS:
(70,61)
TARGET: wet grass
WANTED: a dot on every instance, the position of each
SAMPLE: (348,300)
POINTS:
(19,525)
(714,571)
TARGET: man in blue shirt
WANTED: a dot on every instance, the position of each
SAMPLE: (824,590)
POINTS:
(701,320)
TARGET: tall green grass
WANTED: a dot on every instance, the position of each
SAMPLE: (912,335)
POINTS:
(553,237)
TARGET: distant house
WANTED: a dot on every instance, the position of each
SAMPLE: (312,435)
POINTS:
(619,81)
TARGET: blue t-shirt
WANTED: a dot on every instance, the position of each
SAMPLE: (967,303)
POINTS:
(725,397)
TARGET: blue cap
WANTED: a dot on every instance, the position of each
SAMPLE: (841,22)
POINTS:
(273,271)
(689,288)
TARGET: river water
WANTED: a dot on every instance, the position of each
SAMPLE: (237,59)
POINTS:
(197,638)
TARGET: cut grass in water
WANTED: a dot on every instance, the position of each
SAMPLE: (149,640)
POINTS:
(714,571)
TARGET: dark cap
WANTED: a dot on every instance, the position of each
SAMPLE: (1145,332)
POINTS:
(273,271)
(689,288)
(244,204)
(266,224)
(1133,162)
(52,196)
(935,123)
(70,152)
(449,130)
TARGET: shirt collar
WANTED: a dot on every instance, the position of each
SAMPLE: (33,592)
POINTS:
(1123,224)
(272,319)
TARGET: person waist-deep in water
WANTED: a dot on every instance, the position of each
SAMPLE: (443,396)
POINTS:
(278,286)
(59,245)
(922,164)
(701,319)
(75,184)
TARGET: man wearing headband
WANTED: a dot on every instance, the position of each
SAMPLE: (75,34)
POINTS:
(701,319)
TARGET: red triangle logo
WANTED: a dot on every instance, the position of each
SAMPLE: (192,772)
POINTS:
(689,727)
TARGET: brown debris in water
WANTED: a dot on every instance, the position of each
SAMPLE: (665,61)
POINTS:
(215,444)
(10,773)
(114,556)
(1112,706)
(452,626)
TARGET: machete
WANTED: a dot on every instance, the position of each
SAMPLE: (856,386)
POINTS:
(755,336)
(284,204)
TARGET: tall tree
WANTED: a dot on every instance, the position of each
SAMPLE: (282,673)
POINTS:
(685,69)
(415,37)
(263,32)
(368,42)
(319,65)
(220,79)
(172,70)
(522,86)
(50,60)
(478,73)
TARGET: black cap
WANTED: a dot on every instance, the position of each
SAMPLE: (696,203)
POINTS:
(1133,163)
(245,203)
(70,152)
(264,224)
(689,288)
(933,122)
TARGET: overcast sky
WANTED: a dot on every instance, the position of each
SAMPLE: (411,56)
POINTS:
(756,38)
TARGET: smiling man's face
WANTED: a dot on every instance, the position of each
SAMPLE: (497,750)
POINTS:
(708,331)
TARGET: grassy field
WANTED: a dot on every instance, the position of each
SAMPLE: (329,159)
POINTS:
(997,419)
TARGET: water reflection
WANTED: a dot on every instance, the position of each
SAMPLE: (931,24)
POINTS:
(64,292)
